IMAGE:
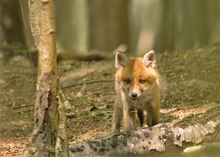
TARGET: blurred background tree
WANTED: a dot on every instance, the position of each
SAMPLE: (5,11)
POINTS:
(186,24)
(108,24)
(11,25)
(73,24)
(84,25)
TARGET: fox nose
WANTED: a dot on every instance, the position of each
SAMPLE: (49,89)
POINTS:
(134,95)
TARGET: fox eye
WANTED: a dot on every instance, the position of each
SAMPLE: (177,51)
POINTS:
(142,81)
(127,81)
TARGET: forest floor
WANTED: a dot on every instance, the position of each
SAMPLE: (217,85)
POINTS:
(190,86)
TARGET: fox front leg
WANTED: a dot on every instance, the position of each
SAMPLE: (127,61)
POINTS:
(118,114)
(153,114)
(116,121)
(140,115)
(128,123)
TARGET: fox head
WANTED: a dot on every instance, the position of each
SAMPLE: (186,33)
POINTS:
(136,76)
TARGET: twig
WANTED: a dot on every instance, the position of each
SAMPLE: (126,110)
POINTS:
(89,82)
(22,106)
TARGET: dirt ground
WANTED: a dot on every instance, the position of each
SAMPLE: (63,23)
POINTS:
(190,83)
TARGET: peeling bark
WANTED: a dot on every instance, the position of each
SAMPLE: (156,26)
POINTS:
(42,142)
(188,131)
(62,148)
(160,138)
(191,130)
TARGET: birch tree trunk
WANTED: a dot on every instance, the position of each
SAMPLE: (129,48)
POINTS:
(43,140)
(34,19)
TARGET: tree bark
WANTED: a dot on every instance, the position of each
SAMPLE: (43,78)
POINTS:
(43,139)
(11,26)
(186,24)
(34,18)
(165,37)
(29,41)
(73,25)
(109,24)
(62,147)
(160,138)
(192,24)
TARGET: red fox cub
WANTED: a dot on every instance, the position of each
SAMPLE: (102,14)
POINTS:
(137,90)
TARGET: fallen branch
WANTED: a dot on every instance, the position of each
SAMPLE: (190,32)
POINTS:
(159,138)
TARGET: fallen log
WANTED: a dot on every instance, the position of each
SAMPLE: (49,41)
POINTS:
(159,138)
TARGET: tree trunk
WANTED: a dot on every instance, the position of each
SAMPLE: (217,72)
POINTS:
(34,18)
(135,19)
(29,41)
(73,25)
(109,24)
(62,147)
(186,24)
(165,37)
(192,24)
(11,26)
(43,140)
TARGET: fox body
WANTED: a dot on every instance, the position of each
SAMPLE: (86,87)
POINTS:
(137,90)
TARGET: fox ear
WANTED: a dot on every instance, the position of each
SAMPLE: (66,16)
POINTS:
(120,48)
(120,60)
(149,59)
